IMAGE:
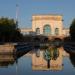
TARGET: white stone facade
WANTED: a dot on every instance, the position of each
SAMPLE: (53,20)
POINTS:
(54,21)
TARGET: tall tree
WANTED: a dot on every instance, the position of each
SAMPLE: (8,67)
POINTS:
(72,30)
(8,29)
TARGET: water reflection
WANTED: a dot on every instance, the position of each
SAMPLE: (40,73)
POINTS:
(50,58)
(6,60)
(47,59)
(69,47)
(10,59)
(71,57)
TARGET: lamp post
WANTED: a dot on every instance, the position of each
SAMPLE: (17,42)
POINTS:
(17,13)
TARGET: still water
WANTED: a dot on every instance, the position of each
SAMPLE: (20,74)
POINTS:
(22,65)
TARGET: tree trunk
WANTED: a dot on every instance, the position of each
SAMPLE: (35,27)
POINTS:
(48,64)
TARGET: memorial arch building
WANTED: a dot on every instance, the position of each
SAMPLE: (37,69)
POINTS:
(48,25)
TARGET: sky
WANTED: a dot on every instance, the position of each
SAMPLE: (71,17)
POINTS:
(29,7)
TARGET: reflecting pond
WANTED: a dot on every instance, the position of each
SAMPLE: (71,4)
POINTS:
(36,62)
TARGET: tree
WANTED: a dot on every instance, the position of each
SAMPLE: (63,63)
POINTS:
(8,30)
(72,30)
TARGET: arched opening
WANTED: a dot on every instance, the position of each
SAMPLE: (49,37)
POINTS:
(47,30)
(56,31)
(37,31)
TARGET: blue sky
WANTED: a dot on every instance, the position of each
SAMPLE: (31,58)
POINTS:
(29,7)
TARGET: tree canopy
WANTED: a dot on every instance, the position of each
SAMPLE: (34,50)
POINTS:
(72,30)
(9,30)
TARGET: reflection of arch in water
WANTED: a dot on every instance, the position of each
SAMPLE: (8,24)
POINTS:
(55,53)
(47,29)
(52,53)
(45,64)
